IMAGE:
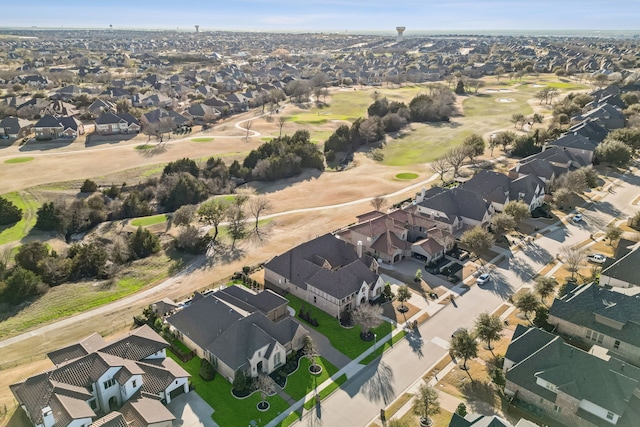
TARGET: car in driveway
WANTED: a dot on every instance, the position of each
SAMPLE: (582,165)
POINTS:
(577,218)
(482,279)
(597,258)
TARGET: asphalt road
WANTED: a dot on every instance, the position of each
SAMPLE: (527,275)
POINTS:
(381,382)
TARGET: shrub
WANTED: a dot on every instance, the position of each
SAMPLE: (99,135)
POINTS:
(207,372)
(241,382)
(143,243)
(9,213)
(88,186)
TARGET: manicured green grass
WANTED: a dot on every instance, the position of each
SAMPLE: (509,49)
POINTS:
(290,419)
(18,160)
(17,231)
(229,411)
(347,341)
(144,147)
(72,298)
(302,381)
(223,230)
(407,175)
(150,220)
(203,139)
(384,347)
(180,346)
(326,391)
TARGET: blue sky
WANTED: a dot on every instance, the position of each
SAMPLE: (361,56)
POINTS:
(328,15)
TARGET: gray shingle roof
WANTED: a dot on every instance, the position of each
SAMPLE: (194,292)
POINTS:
(457,202)
(607,383)
(582,304)
(327,263)
(625,267)
(493,186)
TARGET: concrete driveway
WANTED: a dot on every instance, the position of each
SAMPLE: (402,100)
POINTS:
(191,411)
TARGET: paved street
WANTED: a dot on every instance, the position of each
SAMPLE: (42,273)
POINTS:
(380,383)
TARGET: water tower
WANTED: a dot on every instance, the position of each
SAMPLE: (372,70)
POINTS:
(400,32)
(197,28)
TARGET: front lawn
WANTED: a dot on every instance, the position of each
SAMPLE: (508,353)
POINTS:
(302,381)
(146,221)
(229,411)
(344,340)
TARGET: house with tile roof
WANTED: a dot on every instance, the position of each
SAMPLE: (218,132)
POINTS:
(94,377)
(567,384)
(602,317)
(397,235)
(327,272)
(211,325)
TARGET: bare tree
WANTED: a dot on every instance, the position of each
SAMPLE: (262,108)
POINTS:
(572,257)
(281,121)
(265,385)
(440,166)
(247,125)
(257,206)
(368,316)
(310,350)
(455,157)
(378,202)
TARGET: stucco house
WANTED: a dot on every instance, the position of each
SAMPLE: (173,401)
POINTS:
(601,317)
(568,384)
(326,272)
(236,329)
(93,378)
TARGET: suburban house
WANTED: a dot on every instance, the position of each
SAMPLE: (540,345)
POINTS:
(477,420)
(202,113)
(398,235)
(622,270)
(326,272)
(236,330)
(100,106)
(568,384)
(51,127)
(602,317)
(93,378)
(499,189)
(606,114)
(14,127)
(579,146)
(453,209)
(590,129)
(111,123)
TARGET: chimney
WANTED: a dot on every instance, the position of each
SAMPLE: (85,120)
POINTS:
(359,249)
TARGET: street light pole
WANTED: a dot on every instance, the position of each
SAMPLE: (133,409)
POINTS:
(375,340)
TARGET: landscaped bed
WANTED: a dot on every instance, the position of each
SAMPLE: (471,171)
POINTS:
(229,411)
(344,340)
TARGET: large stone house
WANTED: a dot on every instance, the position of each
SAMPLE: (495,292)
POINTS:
(454,209)
(238,330)
(52,127)
(326,272)
(111,123)
(602,317)
(93,378)
(567,384)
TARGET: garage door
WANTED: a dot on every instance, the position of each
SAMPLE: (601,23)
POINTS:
(176,392)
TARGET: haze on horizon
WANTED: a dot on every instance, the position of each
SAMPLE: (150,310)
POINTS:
(329,15)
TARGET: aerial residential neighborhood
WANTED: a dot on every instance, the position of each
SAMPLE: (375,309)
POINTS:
(223,225)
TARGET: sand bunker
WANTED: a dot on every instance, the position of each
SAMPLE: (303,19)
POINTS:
(506,100)
(499,90)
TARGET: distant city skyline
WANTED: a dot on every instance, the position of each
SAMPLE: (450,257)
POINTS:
(329,15)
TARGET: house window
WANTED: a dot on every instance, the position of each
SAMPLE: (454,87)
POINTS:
(616,344)
(594,336)
(557,408)
(134,383)
(93,404)
(109,383)
(314,299)
(610,415)
(277,359)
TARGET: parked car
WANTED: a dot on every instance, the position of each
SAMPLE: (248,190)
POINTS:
(577,218)
(597,258)
(482,279)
